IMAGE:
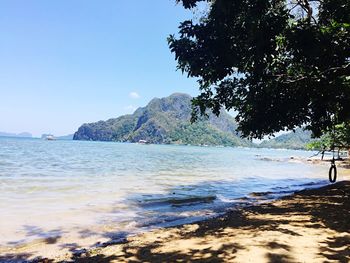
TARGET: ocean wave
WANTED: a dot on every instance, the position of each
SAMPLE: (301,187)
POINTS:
(176,201)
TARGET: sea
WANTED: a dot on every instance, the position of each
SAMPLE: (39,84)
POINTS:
(88,193)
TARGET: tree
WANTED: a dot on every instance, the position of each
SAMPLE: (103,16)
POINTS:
(338,138)
(279,64)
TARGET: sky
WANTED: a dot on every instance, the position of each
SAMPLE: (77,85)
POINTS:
(64,63)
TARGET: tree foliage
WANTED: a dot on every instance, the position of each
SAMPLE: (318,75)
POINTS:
(338,138)
(279,64)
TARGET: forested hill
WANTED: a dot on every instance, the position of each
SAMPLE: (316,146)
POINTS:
(292,140)
(165,120)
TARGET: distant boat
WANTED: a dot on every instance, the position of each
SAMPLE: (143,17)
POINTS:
(50,138)
(143,142)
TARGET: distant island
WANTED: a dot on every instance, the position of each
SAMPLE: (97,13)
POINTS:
(65,137)
(21,135)
(29,135)
(297,140)
(165,121)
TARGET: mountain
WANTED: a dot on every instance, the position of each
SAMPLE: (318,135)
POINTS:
(65,137)
(292,140)
(165,120)
(22,134)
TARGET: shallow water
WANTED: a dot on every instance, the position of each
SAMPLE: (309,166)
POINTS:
(106,190)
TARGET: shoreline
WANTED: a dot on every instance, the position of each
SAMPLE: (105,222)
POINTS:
(273,231)
(312,221)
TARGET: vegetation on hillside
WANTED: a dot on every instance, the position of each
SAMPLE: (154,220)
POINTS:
(299,139)
(165,120)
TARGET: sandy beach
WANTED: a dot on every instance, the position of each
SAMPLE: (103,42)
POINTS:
(309,226)
(177,131)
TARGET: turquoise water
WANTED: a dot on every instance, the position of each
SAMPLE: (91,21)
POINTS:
(107,190)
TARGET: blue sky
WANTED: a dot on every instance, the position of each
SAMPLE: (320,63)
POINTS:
(64,62)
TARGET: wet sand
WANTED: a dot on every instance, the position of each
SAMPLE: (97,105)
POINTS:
(309,226)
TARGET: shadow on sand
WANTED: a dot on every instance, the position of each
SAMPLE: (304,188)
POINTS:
(269,232)
(273,228)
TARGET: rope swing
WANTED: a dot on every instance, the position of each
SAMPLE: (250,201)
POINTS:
(332,173)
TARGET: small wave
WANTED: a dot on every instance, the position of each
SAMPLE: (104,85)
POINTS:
(312,184)
(224,199)
(259,194)
(268,159)
(309,184)
(159,220)
(173,201)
